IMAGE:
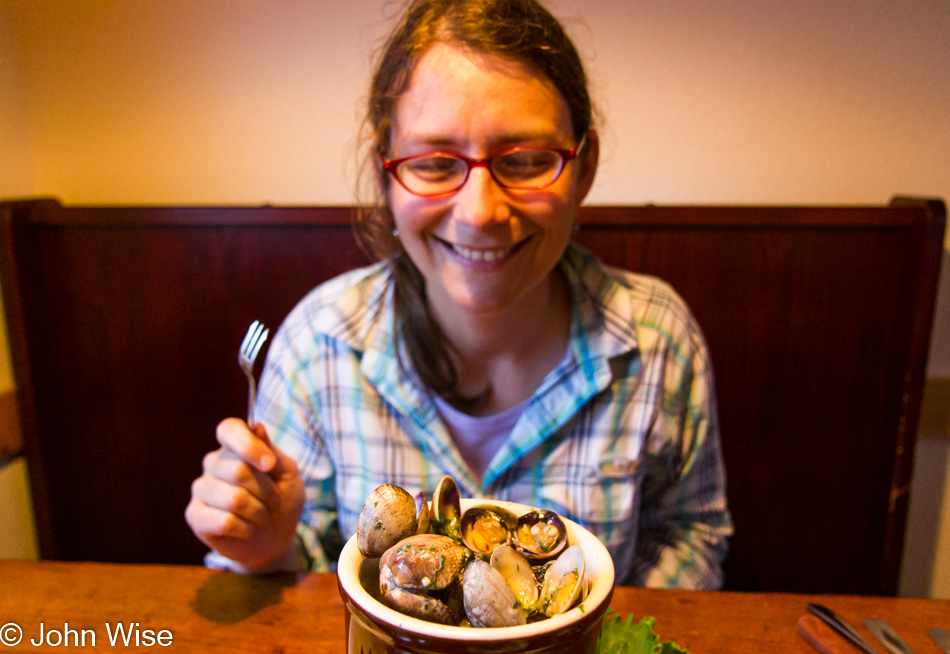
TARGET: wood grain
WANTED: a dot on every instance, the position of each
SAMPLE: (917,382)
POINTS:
(215,611)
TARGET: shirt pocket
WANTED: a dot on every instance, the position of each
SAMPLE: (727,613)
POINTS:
(604,499)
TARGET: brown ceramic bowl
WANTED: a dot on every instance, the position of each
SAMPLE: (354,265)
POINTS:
(371,626)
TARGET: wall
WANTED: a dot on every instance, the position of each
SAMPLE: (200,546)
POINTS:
(17,534)
(706,101)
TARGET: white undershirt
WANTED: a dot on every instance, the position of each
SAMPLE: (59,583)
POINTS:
(478,438)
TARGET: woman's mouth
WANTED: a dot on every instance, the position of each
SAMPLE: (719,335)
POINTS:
(481,255)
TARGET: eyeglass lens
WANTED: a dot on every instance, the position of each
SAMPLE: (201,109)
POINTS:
(521,169)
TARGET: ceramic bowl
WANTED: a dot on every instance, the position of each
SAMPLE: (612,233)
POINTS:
(371,626)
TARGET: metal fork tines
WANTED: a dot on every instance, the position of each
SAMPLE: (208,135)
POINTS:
(250,347)
(887,636)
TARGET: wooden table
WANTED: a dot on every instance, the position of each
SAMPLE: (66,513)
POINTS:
(193,609)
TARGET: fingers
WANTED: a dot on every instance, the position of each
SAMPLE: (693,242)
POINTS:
(210,524)
(253,447)
(284,466)
(230,481)
(249,496)
(231,499)
(225,497)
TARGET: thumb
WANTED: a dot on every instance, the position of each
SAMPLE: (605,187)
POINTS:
(281,462)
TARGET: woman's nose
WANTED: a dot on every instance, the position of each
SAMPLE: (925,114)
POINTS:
(481,201)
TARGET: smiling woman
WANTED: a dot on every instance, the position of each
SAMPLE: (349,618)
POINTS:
(486,250)
(484,344)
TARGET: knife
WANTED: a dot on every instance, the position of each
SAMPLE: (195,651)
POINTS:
(838,623)
(823,638)
(941,637)
(888,637)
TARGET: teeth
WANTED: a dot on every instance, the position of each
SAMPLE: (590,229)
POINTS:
(481,255)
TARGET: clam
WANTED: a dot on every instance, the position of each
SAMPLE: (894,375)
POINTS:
(419,576)
(540,535)
(417,605)
(488,599)
(483,528)
(424,521)
(425,562)
(516,570)
(388,516)
(563,582)
(446,508)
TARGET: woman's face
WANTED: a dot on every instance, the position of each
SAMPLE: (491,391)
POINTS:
(483,248)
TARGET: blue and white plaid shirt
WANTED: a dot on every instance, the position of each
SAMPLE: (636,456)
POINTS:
(622,437)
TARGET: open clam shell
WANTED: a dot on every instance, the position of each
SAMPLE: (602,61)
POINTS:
(424,519)
(483,528)
(540,535)
(563,582)
(446,509)
(516,570)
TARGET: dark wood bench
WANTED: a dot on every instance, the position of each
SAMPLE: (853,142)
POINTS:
(124,325)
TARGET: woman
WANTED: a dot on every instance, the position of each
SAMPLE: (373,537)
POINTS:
(483,345)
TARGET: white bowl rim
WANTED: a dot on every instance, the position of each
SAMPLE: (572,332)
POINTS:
(594,551)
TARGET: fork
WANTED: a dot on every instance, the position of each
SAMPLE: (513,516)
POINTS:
(247,354)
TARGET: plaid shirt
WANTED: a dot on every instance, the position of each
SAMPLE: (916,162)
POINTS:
(622,437)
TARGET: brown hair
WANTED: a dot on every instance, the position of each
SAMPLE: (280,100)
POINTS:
(522,30)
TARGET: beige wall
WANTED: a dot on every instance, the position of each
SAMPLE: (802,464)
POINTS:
(706,101)
(17,538)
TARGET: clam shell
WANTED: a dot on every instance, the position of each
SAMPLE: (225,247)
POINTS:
(424,521)
(563,582)
(388,516)
(446,508)
(425,562)
(516,570)
(489,600)
(416,605)
(540,535)
(483,528)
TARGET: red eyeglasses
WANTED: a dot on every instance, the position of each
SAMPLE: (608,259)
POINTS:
(439,173)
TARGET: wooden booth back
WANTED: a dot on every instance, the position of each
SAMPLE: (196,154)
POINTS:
(124,326)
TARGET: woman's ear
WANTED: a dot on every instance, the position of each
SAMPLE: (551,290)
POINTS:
(587,160)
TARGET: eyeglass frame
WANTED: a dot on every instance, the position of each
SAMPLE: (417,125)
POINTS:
(566,155)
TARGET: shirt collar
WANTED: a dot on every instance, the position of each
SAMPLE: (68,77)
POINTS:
(604,321)
(603,324)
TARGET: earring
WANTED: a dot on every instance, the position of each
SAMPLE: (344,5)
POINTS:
(396,233)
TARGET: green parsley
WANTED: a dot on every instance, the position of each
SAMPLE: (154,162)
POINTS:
(623,636)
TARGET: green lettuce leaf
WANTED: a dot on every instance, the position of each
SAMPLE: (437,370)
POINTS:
(624,636)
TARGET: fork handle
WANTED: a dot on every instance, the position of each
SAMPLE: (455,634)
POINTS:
(251,401)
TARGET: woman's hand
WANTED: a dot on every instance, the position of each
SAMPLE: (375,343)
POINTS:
(247,501)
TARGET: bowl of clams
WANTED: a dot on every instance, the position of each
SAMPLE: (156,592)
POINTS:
(455,574)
